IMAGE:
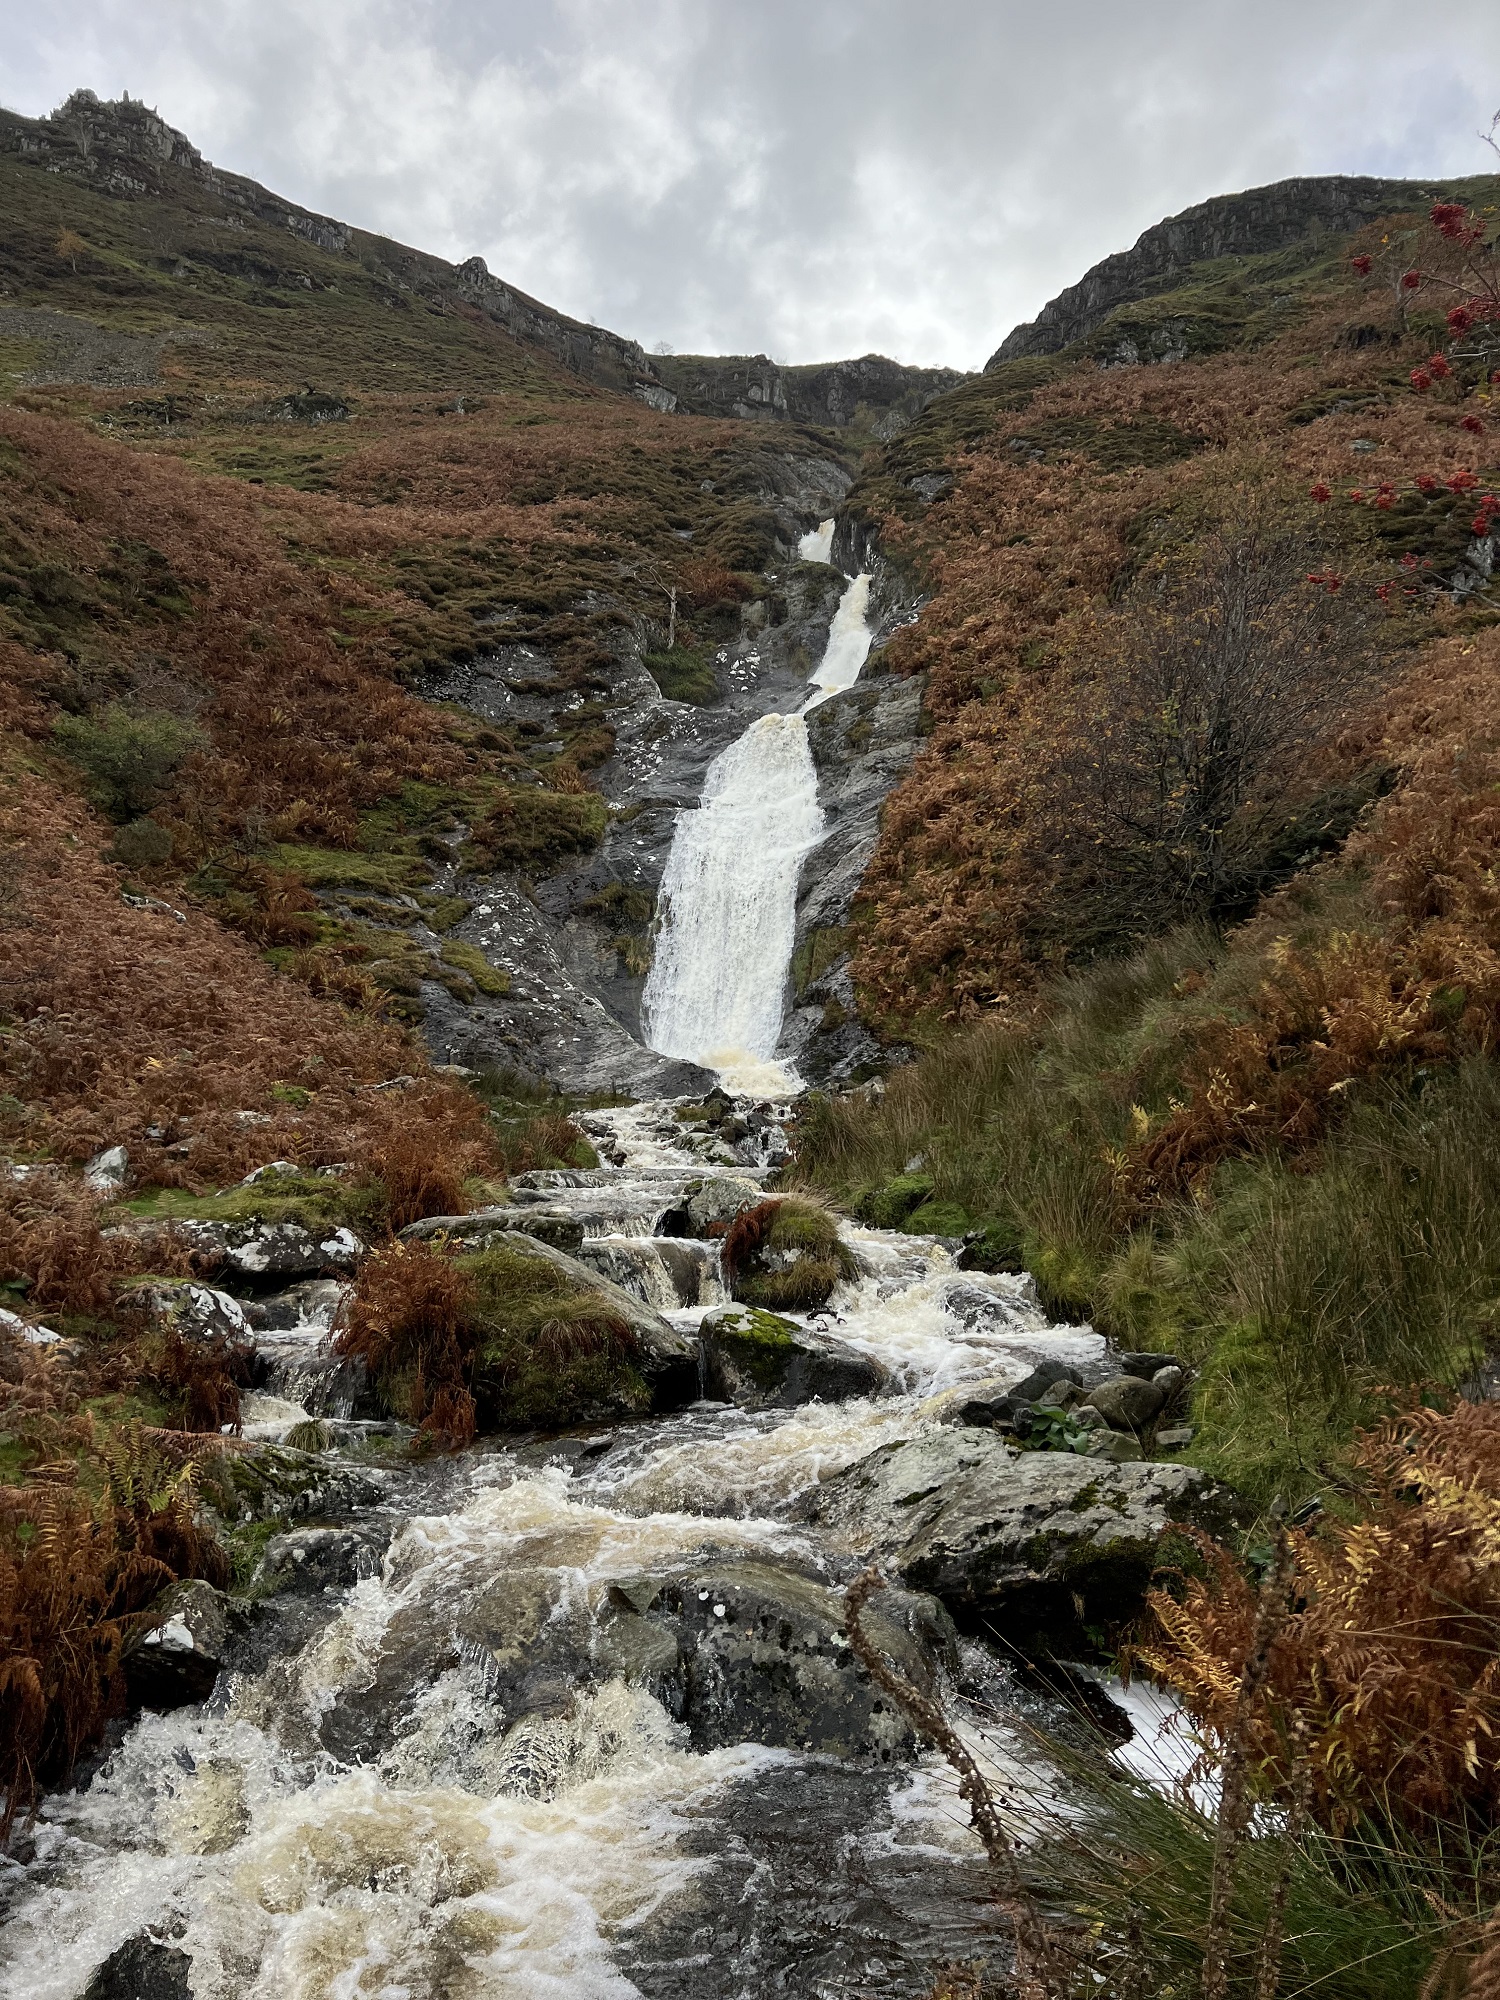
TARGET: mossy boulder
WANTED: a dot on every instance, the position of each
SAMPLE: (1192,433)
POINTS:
(786,1255)
(759,1360)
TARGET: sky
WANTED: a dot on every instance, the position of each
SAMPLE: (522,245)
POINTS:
(804,178)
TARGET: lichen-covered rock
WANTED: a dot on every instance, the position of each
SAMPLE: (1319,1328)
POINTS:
(258,1482)
(314,1302)
(710,1208)
(1040,1542)
(759,1360)
(255,1249)
(197,1312)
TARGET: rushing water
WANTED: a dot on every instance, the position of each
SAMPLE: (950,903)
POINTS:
(716,990)
(389,1808)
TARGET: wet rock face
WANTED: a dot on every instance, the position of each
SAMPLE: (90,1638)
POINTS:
(751,1652)
(179,1657)
(761,1361)
(1020,1537)
(142,1969)
(322,1561)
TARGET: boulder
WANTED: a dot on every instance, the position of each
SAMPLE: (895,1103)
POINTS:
(178,1660)
(759,1361)
(256,1249)
(1127,1402)
(1146,1365)
(669,1359)
(108,1171)
(709,1209)
(548,1223)
(23,1329)
(143,1968)
(197,1312)
(1039,1543)
(746,1651)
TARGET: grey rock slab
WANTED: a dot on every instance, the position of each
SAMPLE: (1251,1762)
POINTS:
(257,1250)
(752,1651)
(312,1302)
(546,1221)
(761,1361)
(317,1561)
(1015,1536)
(108,1171)
(716,1204)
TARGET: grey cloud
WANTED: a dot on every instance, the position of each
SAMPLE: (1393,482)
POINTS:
(810,179)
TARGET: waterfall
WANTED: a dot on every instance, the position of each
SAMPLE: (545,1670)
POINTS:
(729,894)
(817,544)
(848,643)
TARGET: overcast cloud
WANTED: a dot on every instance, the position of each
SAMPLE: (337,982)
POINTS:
(809,180)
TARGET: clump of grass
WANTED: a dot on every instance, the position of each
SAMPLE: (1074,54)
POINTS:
(530,827)
(684,674)
(786,1255)
(496,1339)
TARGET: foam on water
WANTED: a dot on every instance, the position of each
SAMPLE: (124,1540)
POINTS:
(817,544)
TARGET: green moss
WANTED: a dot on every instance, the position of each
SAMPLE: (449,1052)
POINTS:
(531,828)
(939,1218)
(758,1342)
(816,955)
(313,1201)
(684,674)
(888,1205)
(547,1353)
(338,868)
(469,959)
(245,1545)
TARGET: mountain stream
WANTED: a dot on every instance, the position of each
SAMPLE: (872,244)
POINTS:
(435,1766)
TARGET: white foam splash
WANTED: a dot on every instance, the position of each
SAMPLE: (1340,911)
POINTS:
(817,544)
(848,644)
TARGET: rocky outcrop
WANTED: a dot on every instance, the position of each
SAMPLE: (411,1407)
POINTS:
(1230,225)
(761,1361)
(197,1312)
(872,395)
(256,1250)
(1038,1543)
(143,1968)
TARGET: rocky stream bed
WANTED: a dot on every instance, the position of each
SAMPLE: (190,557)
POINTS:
(576,1715)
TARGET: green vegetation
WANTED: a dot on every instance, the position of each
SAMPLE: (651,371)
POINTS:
(684,674)
(1301,1287)
(546,1354)
(530,828)
(313,1201)
(785,1255)
(128,761)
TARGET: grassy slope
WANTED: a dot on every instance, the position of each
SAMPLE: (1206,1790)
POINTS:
(1268,1147)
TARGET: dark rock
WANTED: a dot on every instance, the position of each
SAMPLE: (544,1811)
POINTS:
(710,1208)
(178,1660)
(759,1360)
(752,1652)
(1126,1402)
(142,1969)
(1146,1365)
(313,1302)
(1022,1538)
(310,1561)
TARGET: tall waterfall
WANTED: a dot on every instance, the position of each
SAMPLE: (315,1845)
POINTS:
(729,894)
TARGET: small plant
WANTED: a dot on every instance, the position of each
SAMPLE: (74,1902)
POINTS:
(128,760)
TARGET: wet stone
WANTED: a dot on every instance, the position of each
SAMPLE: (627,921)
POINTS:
(759,1360)
(143,1968)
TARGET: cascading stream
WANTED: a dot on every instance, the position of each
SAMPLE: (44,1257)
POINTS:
(716,990)
(394,1805)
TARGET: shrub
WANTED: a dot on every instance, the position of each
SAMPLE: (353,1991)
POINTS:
(142,843)
(76,1573)
(128,760)
(1383,1690)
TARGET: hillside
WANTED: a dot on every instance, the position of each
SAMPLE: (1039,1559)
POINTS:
(365,627)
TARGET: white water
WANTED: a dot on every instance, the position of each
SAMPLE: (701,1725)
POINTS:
(848,643)
(471,1852)
(716,988)
(714,993)
(817,544)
